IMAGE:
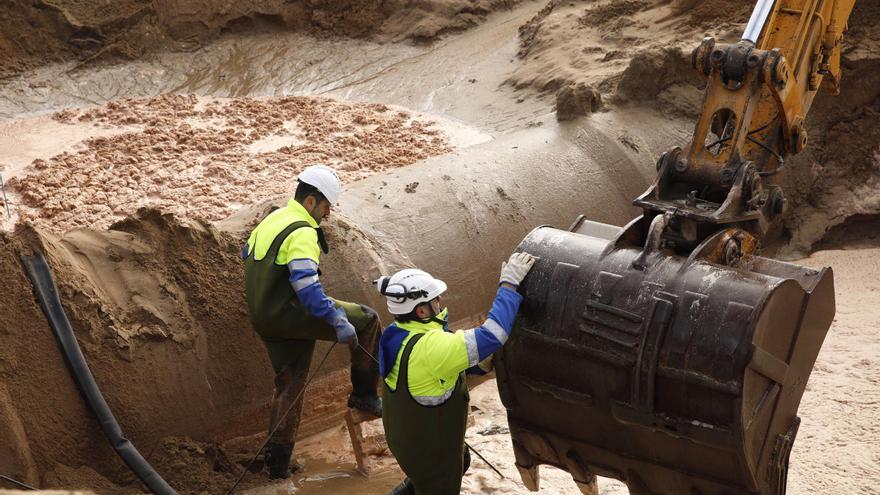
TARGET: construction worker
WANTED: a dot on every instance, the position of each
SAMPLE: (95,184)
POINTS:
(290,311)
(425,396)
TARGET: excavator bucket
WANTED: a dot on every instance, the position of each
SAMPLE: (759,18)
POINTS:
(675,374)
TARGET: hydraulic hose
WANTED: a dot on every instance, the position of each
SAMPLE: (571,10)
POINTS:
(47,293)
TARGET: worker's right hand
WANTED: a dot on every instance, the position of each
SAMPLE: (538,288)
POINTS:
(345,333)
(515,269)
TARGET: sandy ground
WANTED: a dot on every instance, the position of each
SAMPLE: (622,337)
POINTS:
(33,33)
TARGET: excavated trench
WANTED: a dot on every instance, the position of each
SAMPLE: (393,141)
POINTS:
(451,153)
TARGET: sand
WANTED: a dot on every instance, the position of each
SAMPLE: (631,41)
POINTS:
(33,33)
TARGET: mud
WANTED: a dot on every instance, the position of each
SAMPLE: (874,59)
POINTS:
(34,33)
(204,159)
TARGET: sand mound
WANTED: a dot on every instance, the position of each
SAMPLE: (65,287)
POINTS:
(36,32)
(632,42)
(157,307)
(168,344)
(205,159)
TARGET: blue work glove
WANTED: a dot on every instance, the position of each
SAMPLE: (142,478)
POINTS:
(345,333)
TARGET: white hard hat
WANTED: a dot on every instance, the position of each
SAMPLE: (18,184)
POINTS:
(408,288)
(324,179)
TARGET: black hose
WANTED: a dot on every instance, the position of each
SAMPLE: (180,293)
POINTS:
(47,293)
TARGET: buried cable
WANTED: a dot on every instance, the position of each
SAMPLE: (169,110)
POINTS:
(465,443)
(5,200)
(280,420)
(47,293)
(17,483)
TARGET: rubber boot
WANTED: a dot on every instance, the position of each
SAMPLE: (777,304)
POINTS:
(278,460)
(364,396)
(404,488)
(365,370)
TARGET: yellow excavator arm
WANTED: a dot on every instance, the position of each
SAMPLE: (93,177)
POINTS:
(679,356)
(753,119)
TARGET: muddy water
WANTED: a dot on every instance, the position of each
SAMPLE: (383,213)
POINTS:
(319,477)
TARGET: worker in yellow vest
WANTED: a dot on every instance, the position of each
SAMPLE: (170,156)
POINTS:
(424,393)
(290,311)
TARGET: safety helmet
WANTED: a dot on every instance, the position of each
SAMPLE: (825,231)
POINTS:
(408,288)
(324,179)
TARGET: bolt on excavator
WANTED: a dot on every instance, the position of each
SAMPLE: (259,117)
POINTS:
(679,354)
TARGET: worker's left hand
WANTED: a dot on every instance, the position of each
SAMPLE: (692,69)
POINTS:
(345,332)
(515,269)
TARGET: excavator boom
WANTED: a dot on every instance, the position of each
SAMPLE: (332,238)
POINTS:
(679,354)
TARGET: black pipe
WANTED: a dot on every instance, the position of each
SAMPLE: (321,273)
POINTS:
(47,293)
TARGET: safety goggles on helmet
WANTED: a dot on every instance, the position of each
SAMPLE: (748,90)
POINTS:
(408,288)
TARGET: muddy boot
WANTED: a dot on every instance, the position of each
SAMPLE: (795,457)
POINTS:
(364,368)
(404,488)
(368,404)
(278,460)
(364,396)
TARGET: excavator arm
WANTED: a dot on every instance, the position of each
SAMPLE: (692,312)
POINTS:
(679,354)
(757,97)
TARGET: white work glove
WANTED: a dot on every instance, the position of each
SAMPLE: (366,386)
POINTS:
(515,269)
(345,333)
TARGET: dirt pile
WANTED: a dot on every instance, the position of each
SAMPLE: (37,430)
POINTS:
(199,466)
(204,159)
(35,32)
(156,304)
(155,326)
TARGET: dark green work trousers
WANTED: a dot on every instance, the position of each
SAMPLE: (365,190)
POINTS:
(427,441)
(291,358)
